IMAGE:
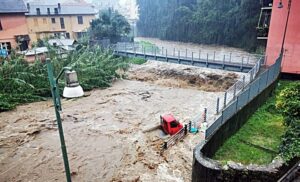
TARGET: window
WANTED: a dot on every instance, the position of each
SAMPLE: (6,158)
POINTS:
(81,34)
(22,41)
(67,35)
(53,20)
(44,21)
(80,19)
(48,11)
(174,124)
(62,23)
(6,46)
(35,20)
(1,28)
(55,11)
(38,11)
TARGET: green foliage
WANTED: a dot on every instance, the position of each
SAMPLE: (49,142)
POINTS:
(226,22)
(290,145)
(137,61)
(288,103)
(275,126)
(95,67)
(21,82)
(258,140)
(110,24)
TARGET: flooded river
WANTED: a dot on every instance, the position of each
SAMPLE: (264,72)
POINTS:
(103,131)
(212,52)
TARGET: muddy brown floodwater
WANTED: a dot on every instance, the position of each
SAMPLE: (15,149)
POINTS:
(202,50)
(103,131)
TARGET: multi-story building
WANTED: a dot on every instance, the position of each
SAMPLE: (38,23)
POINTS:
(13,28)
(285,33)
(68,20)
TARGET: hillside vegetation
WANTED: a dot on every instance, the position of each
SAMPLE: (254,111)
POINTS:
(226,22)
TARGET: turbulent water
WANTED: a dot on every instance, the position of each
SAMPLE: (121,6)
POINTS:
(230,54)
(103,131)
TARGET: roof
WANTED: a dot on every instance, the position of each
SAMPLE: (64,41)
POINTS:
(61,42)
(12,6)
(169,118)
(36,51)
(54,2)
(66,9)
(66,44)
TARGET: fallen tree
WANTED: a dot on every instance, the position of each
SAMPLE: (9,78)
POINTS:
(21,82)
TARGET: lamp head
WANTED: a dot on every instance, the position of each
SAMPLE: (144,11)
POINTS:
(72,88)
(280,5)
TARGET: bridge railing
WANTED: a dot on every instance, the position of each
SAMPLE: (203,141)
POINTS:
(190,54)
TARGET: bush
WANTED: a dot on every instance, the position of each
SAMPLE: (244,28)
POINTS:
(288,103)
(137,61)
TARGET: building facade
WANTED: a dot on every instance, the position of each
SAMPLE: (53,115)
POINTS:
(13,27)
(67,20)
(291,55)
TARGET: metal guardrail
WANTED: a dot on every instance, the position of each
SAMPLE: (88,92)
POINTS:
(245,94)
(213,59)
(292,175)
(210,114)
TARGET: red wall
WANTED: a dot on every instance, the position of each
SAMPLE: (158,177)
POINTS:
(291,57)
(12,24)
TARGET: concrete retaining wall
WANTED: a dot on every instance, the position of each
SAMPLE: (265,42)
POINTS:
(206,169)
(233,124)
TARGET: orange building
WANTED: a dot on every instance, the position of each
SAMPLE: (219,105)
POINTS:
(291,54)
(13,27)
(58,20)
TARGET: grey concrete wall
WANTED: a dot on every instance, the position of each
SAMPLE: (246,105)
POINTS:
(233,124)
(206,169)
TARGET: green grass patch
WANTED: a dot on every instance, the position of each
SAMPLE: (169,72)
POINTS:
(258,141)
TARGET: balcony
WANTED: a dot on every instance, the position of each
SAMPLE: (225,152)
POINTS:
(263,24)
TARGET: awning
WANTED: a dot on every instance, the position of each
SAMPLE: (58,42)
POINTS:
(36,51)
(61,42)
(79,31)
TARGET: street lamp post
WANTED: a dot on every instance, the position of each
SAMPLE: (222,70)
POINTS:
(72,89)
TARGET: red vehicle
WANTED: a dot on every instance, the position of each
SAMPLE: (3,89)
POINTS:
(169,124)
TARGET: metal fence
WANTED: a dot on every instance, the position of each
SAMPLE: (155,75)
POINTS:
(211,113)
(235,97)
(175,138)
(240,94)
(192,54)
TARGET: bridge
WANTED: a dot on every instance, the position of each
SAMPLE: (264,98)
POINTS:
(216,60)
